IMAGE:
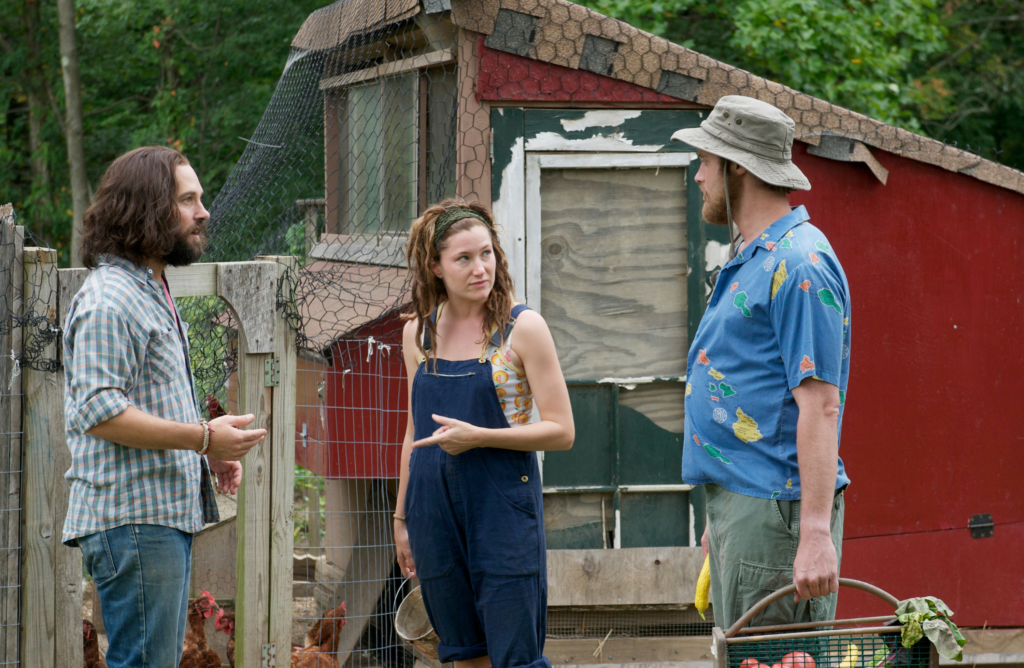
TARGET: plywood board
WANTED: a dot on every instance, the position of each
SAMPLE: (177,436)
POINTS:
(662,403)
(575,521)
(637,576)
(613,270)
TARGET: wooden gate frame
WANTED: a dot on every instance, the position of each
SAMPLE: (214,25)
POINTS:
(51,631)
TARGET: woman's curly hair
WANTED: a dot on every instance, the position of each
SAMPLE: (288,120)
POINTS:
(428,291)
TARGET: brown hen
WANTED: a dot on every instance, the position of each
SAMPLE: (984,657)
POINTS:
(197,653)
(225,622)
(322,642)
(91,655)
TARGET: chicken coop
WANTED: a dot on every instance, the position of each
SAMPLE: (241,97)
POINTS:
(559,118)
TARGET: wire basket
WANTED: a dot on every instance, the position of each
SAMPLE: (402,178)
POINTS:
(866,642)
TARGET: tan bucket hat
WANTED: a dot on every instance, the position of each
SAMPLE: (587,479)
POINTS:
(753,134)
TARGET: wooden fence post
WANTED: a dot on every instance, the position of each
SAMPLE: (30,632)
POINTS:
(282,467)
(51,572)
(251,290)
(12,240)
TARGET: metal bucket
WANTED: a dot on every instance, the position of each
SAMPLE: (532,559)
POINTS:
(413,626)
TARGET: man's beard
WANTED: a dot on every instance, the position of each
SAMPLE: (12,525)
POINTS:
(185,251)
(714,210)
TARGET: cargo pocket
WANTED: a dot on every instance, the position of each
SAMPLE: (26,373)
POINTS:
(757,581)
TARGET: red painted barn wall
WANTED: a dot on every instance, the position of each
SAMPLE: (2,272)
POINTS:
(506,76)
(365,407)
(933,430)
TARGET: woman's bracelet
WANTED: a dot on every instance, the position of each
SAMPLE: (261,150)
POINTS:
(399,517)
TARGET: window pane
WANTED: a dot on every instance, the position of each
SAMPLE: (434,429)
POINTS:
(400,152)
(442,92)
(363,162)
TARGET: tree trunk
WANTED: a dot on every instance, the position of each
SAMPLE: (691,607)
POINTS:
(36,93)
(73,131)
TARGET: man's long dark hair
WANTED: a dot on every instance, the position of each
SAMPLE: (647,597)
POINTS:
(135,212)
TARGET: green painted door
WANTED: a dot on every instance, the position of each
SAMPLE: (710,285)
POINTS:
(620,263)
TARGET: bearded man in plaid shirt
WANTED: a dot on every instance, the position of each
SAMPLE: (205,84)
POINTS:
(142,458)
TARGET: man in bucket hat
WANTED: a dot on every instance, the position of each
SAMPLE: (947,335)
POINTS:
(767,377)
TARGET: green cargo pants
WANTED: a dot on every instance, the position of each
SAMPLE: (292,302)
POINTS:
(752,547)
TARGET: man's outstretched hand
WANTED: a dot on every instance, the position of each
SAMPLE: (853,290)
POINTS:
(228,442)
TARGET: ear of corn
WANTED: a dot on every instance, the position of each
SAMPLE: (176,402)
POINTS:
(703,587)
(851,657)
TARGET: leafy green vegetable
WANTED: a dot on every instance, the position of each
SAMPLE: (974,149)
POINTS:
(929,616)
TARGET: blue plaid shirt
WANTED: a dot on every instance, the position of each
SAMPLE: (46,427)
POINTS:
(779,313)
(122,348)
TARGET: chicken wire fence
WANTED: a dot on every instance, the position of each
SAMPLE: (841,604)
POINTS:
(380,112)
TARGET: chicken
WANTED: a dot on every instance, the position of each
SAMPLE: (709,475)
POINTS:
(197,654)
(322,642)
(92,646)
(225,622)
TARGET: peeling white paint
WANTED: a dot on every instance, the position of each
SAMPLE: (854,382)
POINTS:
(509,210)
(631,383)
(602,118)
(552,141)
(715,255)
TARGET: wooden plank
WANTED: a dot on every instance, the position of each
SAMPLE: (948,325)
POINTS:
(67,598)
(660,650)
(394,67)
(43,425)
(10,281)
(533,233)
(629,576)
(613,269)
(71,281)
(282,470)
(251,290)
(195,280)
(508,187)
(12,567)
(994,641)
(252,611)
(472,164)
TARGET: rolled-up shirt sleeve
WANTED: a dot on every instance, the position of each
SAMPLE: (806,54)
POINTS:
(102,366)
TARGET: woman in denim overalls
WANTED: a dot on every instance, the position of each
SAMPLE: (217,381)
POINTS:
(469,520)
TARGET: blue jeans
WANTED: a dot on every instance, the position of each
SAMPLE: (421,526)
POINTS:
(142,576)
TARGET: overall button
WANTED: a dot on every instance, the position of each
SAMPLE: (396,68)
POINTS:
(525,478)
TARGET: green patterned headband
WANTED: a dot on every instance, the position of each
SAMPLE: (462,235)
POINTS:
(446,219)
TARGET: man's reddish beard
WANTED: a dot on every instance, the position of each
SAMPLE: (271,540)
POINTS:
(714,210)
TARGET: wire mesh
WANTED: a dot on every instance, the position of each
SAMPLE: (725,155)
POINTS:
(858,650)
(570,622)
(381,110)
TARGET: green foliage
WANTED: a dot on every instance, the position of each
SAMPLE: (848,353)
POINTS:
(308,484)
(951,69)
(192,74)
(855,53)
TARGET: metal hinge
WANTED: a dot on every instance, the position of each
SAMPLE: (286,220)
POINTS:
(981,526)
(272,372)
(268,656)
